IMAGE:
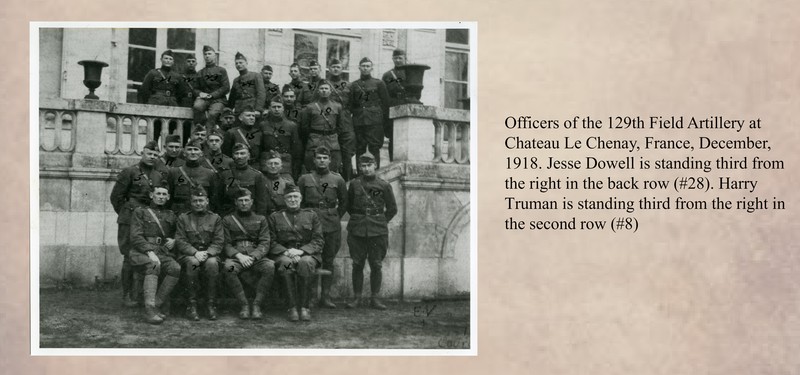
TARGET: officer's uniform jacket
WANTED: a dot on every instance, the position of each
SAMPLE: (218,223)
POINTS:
(322,125)
(216,161)
(189,81)
(146,234)
(371,205)
(252,136)
(255,242)
(247,89)
(394,86)
(272,90)
(339,89)
(133,189)
(169,162)
(213,80)
(368,101)
(300,229)
(301,92)
(161,86)
(282,135)
(230,180)
(327,195)
(291,112)
(182,179)
(276,185)
(199,232)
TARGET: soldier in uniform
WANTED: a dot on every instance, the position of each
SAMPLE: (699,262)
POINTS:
(394,80)
(272,89)
(371,205)
(214,159)
(132,190)
(299,86)
(152,240)
(325,192)
(314,80)
(339,94)
(183,179)
(290,108)
(369,103)
(210,90)
(189,81)
(199,240)
(241,176)
(227,120)
(321,122)
(247,89)
(162,86)
(200,133)
(282,135)
(336,78)
(276,182)
(246,133)
(296,246)
(247,242)
(173,153)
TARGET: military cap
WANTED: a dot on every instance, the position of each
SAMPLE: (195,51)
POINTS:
(152,145)
(322,150)
(276,99)
(215,133)
(366,158)
(160,185)
(272,154)
(336,62)
(199,191)
(198,128)
(240,146)
(239,56)
(313,63)
(364,60)
(191,57)
(172,138)
(195,143)
(267,68)
(287,88)
(207,48)
(398,52)
(167,53)
(241,193)
(226,112)
(291,188)
(324,82)
(248,108)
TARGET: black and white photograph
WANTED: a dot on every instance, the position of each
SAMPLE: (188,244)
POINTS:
(253,188)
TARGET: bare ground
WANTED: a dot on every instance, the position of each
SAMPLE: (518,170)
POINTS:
(96,319)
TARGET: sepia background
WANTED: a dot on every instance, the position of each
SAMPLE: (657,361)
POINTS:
(690,293)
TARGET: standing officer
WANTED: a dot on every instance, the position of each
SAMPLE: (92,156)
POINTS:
(290,108)
(282,135)
(214,158)
(276,182)
(313,80)
(336,78)
(132,190)
(210,90)
(369,103)
(227,120)
(199,240)
(162,86)
(347,139)
(173,153)
(199,133)
(247,241)
(247,89)
(299,86)
(246,133)
(185,178)
(321,123)
(241,176)
(189,81)
(371,207)
(272,89)
(394,80)
(325,192)
(296,245)
(152,241)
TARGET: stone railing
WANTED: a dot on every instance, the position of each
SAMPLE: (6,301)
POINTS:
(128,128)
(56,130)
(426,133)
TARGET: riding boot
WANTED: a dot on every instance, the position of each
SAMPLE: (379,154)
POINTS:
(211,296)
(191,307)
(262,288)
(375,285)
(288,280)
(244,313)
(151,312)
(163,294)
(358,286)
(325,300)
(304,291)
(128,296)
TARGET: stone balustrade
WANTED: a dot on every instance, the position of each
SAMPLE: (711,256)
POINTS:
(427,133)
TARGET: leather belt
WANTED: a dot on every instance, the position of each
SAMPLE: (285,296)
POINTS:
(369,211)
(322,132)
(245,243)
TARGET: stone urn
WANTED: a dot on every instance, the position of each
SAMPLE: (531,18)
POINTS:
(413,82)
(91,76)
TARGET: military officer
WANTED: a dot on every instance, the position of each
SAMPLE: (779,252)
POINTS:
(210,90)
(394,80)
(299,86)
(200,133)
(246,133)
(214,158)
(227,120)
(132,190)
(184,178)
(152,240)
(199,239)
(321,122)
(314,80)
(347,140)
(189,81)
(272,89)
(325,192)
(242,175)
(247,89)
(371,205)
(276,182)
(173,153)
(336,78)
(282,135)
(162,86)
(369,103)
(247,242)
(296,246)
(290,108)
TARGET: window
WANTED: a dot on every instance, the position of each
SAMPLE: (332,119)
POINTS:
(323,48)
(144,53)
(456,77)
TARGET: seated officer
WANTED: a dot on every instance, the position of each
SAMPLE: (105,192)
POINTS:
(247,242)
(199,240)
(296,248)
(152,240)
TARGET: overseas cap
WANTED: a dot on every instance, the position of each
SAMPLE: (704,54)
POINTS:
(172,138)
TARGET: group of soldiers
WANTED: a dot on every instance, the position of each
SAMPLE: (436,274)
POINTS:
(256,190)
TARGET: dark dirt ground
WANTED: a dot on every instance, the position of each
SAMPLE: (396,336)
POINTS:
(97,319)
